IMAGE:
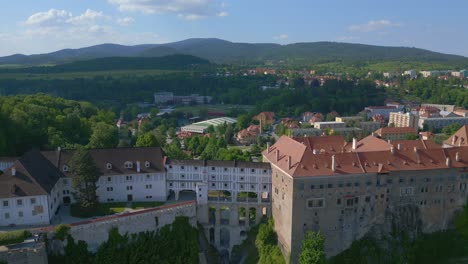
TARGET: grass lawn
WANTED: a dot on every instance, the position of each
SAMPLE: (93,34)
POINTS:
(110,208)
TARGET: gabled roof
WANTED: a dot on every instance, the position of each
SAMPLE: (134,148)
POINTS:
(117,158)
(328,144)
(35,175)
(371,143)
(460,138)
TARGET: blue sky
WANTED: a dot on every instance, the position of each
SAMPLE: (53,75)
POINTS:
(38,26)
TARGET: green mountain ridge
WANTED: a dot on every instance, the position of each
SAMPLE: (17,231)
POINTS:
(222,51)
(168,62)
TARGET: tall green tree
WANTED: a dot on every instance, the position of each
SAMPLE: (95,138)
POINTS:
(147,140)
(85,174)
(104,136)
(313,249)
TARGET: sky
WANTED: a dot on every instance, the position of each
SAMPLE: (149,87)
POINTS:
(40,26)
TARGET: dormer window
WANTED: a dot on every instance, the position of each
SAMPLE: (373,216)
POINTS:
(65,168)
(109,166)
(147,164)
(128,164)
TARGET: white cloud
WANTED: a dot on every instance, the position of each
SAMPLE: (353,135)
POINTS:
(281,37)
(223,14)
(185,9)
(125,21)
(50,18)
(373,25)
(89,16)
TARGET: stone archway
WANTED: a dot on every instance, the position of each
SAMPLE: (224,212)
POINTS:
(224,237)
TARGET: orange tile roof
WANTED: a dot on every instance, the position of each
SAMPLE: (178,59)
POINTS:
(298,160)
(330,144)
(396,130)
(460,138)
(371,143)
(418,143)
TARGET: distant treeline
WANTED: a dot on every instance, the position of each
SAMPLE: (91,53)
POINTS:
(171,62)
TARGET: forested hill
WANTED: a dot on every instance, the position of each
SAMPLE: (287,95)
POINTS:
(170,62)
(222,51)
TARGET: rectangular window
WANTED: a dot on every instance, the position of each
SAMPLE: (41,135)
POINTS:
(33,200)
(19,202)
(20,214)
(5,203)
(316,203)
(338,201)
(7,215)
(330,185)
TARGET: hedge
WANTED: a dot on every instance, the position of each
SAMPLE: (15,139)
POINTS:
(14,237)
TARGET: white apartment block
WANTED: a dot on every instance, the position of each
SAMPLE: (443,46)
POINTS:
(401,119)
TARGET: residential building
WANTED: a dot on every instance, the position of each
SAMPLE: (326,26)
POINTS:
(265,118)
(395,133)
(411,73)
(441,122)
(441,107)
(329,124)
(249,135)
(30,191)
(400,119)
(170,98)
(346,119)
(380,110)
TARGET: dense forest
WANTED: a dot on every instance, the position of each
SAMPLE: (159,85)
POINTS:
(48,122)
(174,243)
(171,62)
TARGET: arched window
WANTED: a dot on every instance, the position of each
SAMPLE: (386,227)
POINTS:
(65,168)
(147,164)
(108,166)
(128,164)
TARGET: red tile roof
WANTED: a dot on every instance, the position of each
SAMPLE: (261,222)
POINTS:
(396,130)
(297,159)
(460,138)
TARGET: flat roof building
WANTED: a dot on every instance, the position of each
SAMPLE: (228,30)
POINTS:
(202,127)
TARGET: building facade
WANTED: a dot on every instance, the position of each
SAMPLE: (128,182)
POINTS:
(401,119)
(344,195)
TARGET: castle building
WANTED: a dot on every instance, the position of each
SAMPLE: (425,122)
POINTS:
(343,195)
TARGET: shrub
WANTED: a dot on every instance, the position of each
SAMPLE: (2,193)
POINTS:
(14,237)
(61,232)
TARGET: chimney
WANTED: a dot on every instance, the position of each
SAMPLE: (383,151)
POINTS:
(354,143)
(392,150)
(399,146)
(268,147)
(389,141)
(415,149)
(289,162)
(454,138)
(138,166)
(457,156)
(277,155)
(447,162)
(59,149)
(333,163)
(13,171)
